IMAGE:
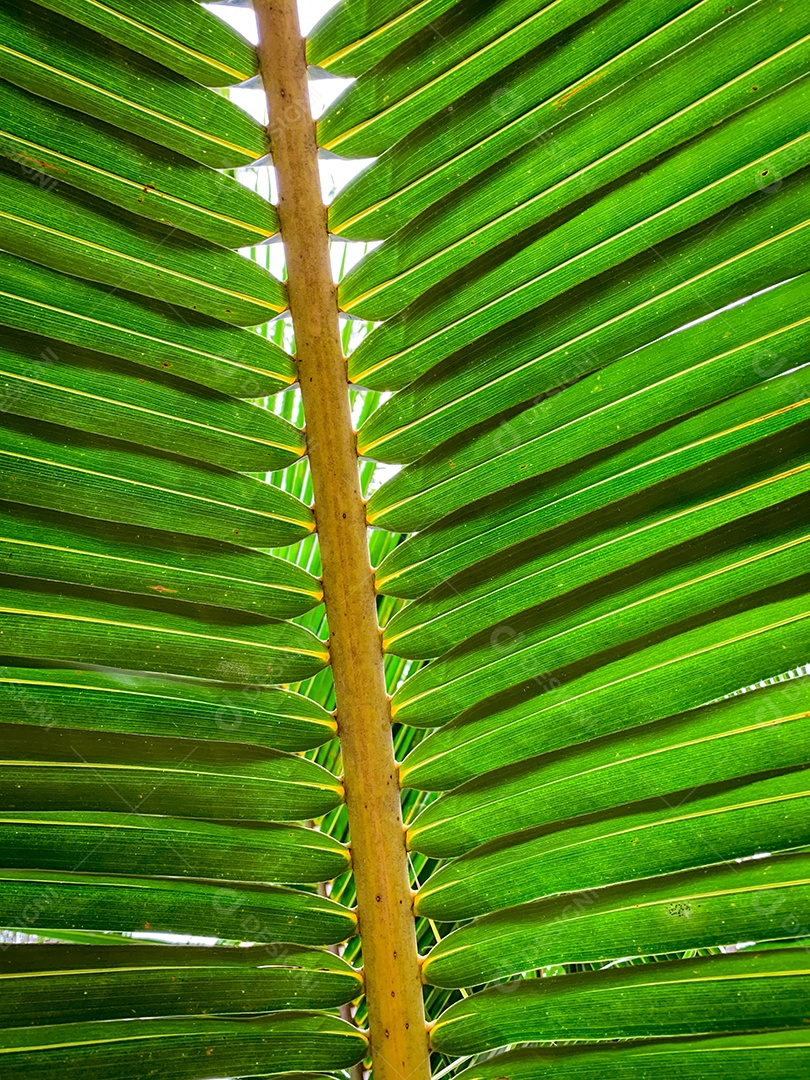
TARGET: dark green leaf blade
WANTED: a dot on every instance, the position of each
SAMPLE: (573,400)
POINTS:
(52,145)
(66,63)
(47,623)
(660,836)
(180,35)
(47,380)
(583,550)
(137,704)
(72,233)
(194,347)
(186,1048)
(96,554)
(354,34)
(709,360)
(677,674)
(423,493)
(499,588)
(695,910)
(510,522)
(568,73)
(435,67)
(116,481)
(687,586)
(678,99)
(149,844)
(83,771)
(734,737)
(699,270)
(755,992)
(63,984)
(773,1056)
(39,901)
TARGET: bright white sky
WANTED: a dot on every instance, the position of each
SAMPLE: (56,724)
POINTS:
(335,173)
(323,90)
(310,11)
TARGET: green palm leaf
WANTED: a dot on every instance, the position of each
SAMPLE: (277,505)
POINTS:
(94,984)
(185,1047)
(49,55)
(681,998)
(653,760)
(413,684)
(778,1054)
(75,149)
(181,36)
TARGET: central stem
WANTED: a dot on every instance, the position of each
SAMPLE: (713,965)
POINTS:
(391,967)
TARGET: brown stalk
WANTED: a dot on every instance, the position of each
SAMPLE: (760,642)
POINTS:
(391,966)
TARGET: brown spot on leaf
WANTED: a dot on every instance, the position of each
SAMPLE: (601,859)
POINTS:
(558,104)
